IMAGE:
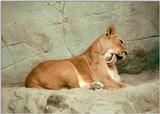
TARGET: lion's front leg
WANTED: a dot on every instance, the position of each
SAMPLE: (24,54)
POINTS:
(122,85)
(111,84)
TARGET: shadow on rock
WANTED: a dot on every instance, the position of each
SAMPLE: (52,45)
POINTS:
(57,103)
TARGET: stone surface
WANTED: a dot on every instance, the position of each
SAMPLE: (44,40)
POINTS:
(15,74)
(139,99)
(36,31)
(142,56)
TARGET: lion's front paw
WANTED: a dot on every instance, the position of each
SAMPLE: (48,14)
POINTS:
(96,85)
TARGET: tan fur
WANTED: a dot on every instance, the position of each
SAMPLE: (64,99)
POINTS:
(82,70)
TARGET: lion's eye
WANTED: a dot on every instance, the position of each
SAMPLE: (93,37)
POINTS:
(121,41)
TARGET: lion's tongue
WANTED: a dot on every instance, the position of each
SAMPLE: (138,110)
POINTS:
(113,59)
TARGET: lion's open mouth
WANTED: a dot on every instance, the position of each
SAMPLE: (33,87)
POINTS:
(113,58)
(119,57)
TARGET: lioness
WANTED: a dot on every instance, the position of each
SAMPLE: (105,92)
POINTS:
(87,70)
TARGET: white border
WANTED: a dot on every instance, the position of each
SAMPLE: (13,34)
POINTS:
(77,0)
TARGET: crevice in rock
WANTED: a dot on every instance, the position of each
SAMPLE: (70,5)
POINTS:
(143,38)
(96,13)
(24,42)
(53,5)
(40,52)
(20,61)
(63,29)
(157,28)
(6,45)
(41,49)
(153,25)
(13,44)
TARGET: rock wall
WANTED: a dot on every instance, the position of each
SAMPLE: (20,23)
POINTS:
(36,31)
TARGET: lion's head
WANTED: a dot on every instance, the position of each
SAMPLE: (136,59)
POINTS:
(111,46)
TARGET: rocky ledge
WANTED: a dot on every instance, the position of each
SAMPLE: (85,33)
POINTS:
(143,98)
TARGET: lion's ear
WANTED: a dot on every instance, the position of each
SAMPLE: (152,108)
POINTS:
(111,30)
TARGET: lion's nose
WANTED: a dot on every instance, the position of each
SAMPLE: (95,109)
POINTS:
(126,52)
